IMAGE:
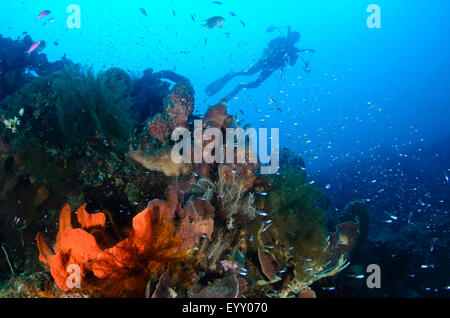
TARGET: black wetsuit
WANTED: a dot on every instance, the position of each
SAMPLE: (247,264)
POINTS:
(279,52)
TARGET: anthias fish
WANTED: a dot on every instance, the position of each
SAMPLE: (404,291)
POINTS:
(43,14)
(33,47)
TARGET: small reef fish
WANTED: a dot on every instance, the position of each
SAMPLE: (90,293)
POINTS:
(193,17)
(232,14)
(243,23)
(41,47)
(43,14)
(33,47)
(266,228)
(356,276)
(271,29)
(217,2)
(143,11)
(214,22)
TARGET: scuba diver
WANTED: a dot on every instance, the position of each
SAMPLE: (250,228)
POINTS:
(279,52)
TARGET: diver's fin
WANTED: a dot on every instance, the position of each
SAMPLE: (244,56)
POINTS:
(217,85)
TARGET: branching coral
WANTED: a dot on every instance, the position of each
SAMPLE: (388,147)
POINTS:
(4,147)
(236,206)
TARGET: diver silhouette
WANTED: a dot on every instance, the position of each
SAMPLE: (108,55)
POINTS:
(279,52)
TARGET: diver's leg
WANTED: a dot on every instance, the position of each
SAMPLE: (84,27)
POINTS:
(217,85)
(233,93)
(251,71)
(261,78)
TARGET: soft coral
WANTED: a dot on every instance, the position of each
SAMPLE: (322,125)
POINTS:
(162,234)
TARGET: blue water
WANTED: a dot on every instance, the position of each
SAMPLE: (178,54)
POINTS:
(368,88)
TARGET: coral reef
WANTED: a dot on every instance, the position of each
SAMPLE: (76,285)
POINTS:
(357,210)
(69,115)
(18,69)
(288,250)
(66,139)
(217,117)
(292,244)
(227,287)
(157,241)
(236,206)
(178,107)
(159,128)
